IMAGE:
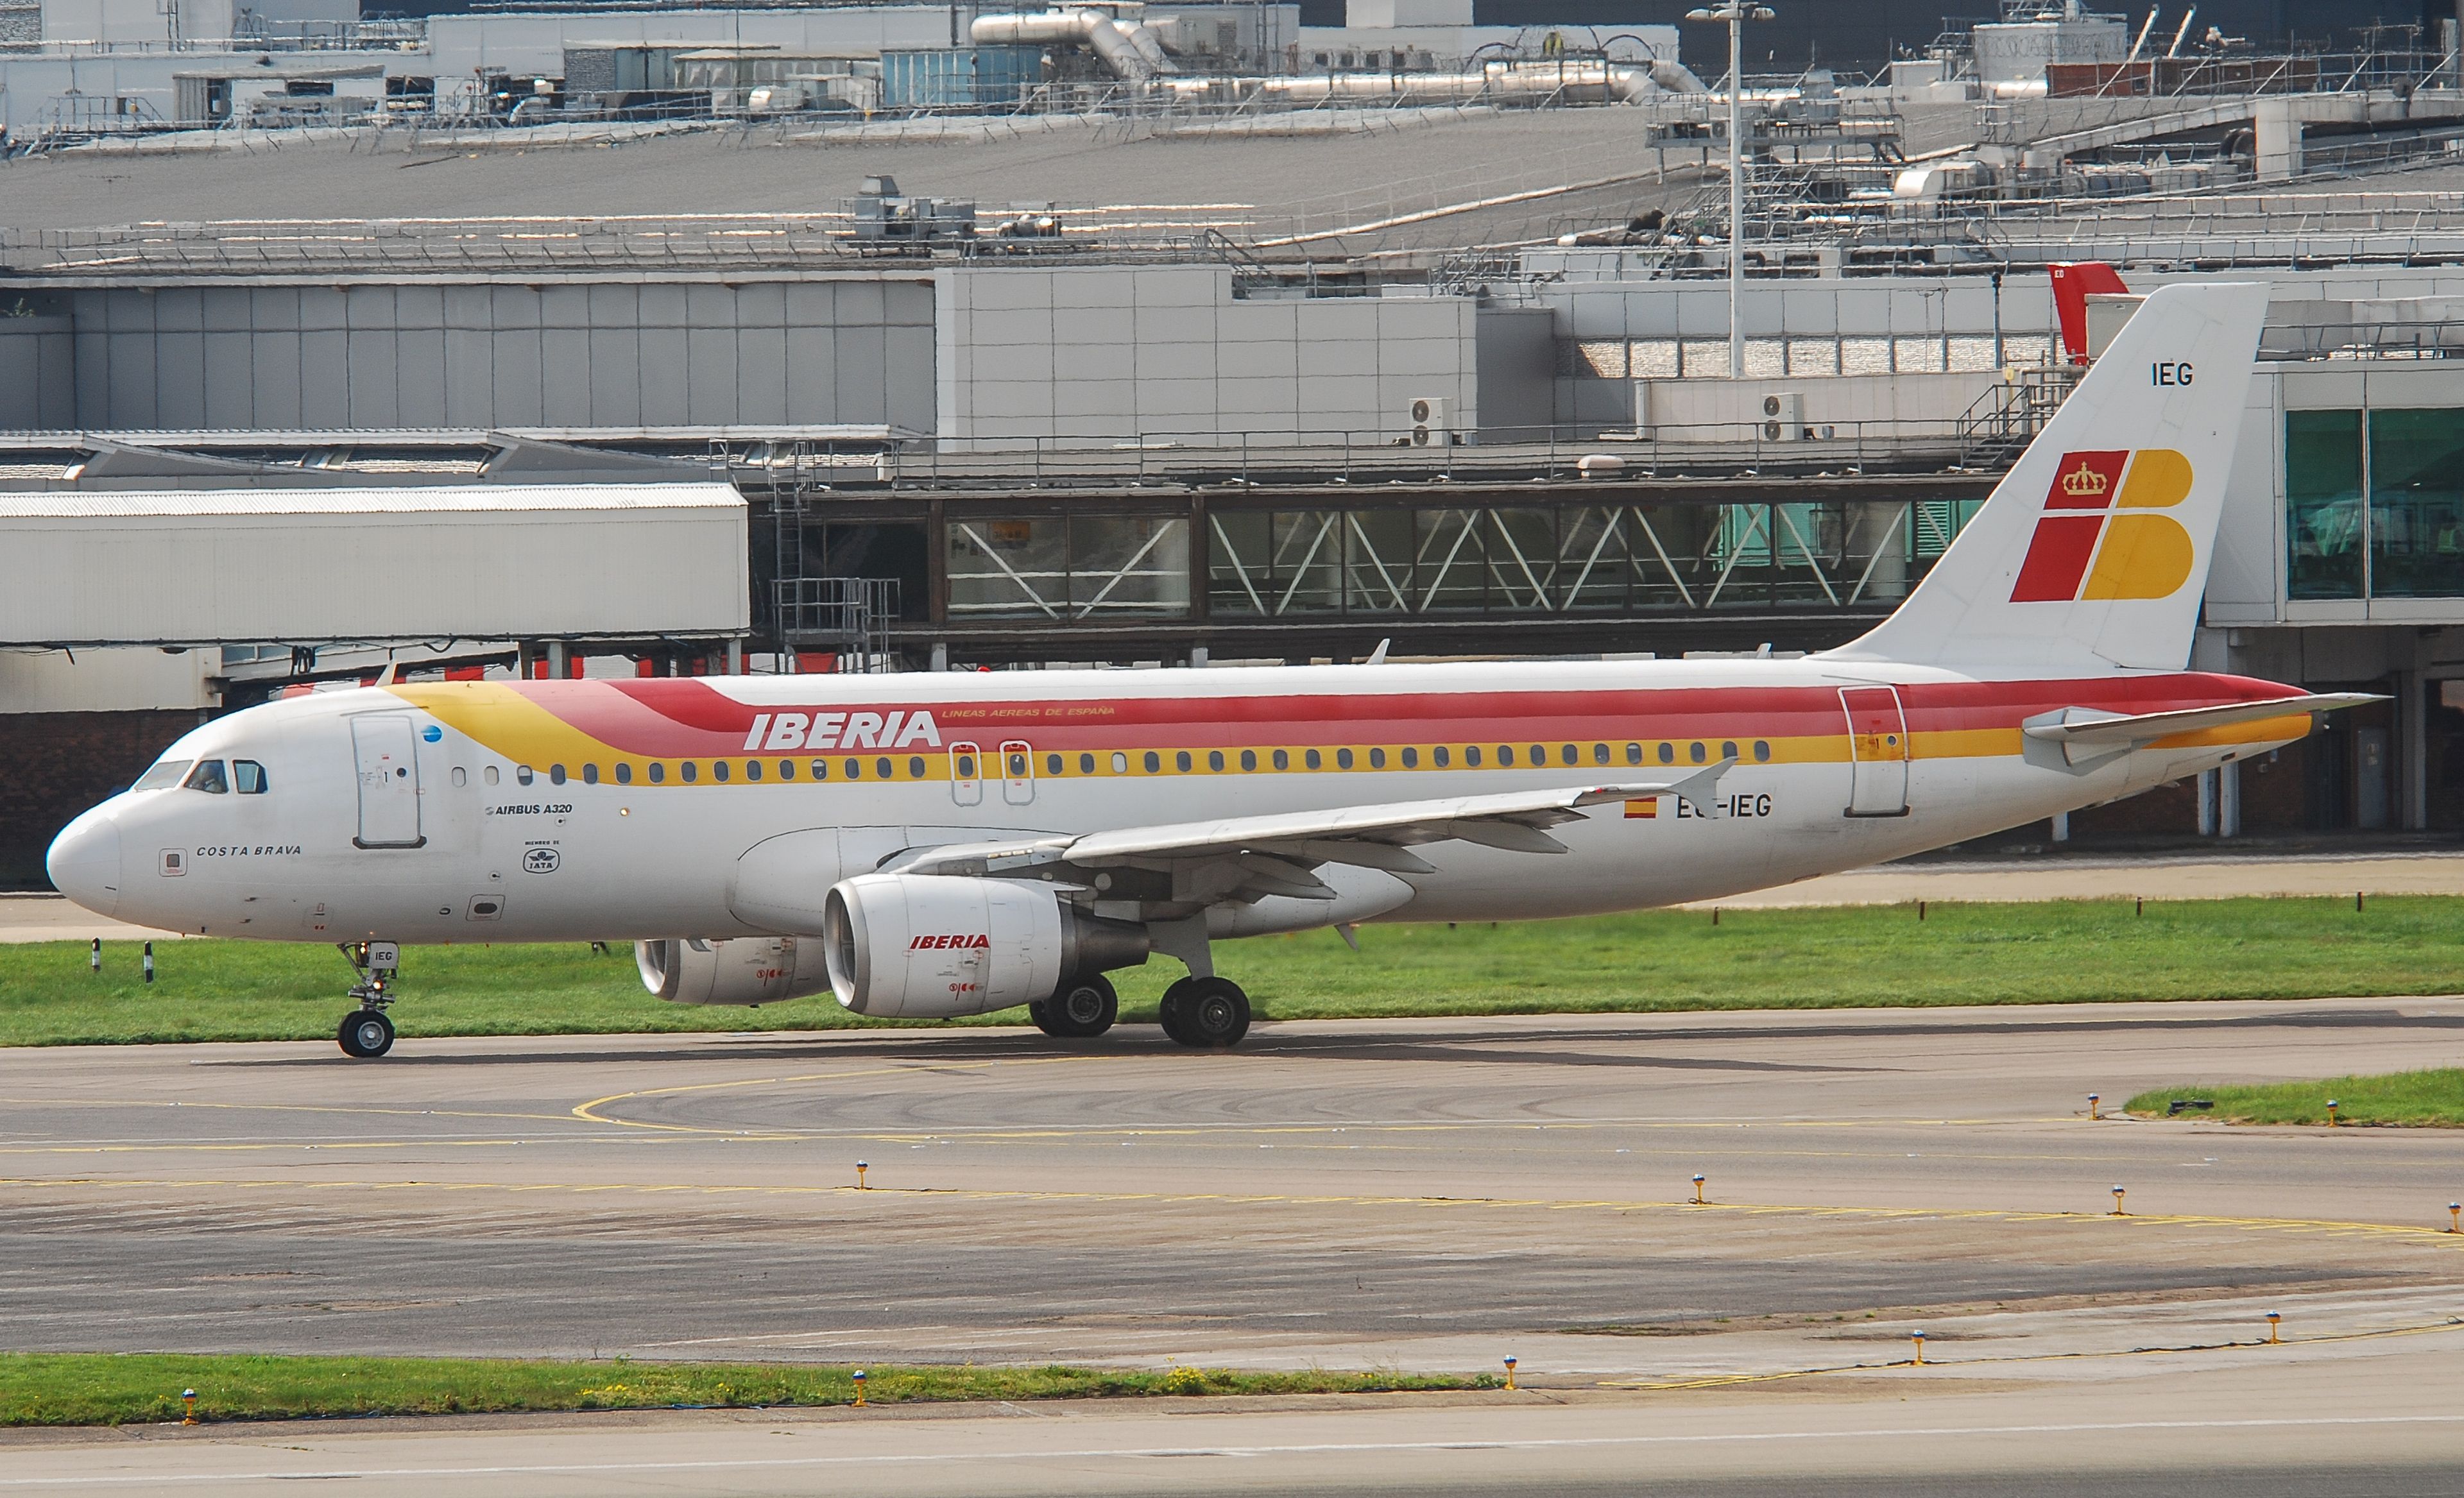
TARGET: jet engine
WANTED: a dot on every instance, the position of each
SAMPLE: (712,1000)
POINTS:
(931,946)
(749,970)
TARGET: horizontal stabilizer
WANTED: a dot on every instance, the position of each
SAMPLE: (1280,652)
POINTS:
(2092,726)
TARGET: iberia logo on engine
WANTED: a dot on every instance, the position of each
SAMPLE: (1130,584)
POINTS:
(2098,539)
(958,941)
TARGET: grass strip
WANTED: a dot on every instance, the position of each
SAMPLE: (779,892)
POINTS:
(2417,1099)
(119,1389)
(2055,952)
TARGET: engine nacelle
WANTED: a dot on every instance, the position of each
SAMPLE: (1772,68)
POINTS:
(932,946)
(748,970)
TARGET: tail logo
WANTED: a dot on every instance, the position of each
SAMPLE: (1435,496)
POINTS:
(2096,538)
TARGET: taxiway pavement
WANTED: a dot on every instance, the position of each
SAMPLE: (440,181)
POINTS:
(1432,1194)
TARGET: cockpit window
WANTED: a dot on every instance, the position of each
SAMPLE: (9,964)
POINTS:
(165,775)
(248,777)
(208,777)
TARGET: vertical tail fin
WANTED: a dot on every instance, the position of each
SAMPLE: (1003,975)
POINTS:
(2092,553)
(2072,283)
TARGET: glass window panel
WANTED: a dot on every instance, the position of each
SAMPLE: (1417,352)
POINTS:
(1377,560)
(2322,503)
(1603,360)
(1972,355)
(1865,356)
(1236,580)
(1306,563)
(1592,550)
(1877,550)
(1670,545)
(1016,569)
(1813,356)
(1522,559)
(1450,553)
(2026,348)
(1915,355)
(1703,358)
(1128,564)
(1655,359)
(1766,358)
(2417,504)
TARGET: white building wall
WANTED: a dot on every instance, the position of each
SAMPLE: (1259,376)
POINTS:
(1166,352)
(105,680)
(464,46)
(125,21)
(467,561)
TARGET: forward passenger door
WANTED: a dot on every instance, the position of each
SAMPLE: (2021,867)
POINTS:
(384,746)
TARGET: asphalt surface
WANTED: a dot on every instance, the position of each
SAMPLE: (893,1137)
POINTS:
(1425,1194)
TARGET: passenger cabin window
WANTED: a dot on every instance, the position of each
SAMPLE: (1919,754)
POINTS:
(208,777)
(248,778)
(166,774)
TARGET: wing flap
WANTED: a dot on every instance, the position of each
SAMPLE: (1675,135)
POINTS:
(1371,836)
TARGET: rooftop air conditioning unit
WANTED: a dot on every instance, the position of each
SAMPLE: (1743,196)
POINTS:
(1428,421)
(1784,417)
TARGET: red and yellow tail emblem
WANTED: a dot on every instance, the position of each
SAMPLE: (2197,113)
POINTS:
(2096,538)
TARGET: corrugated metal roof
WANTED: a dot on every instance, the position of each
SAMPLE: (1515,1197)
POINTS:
(458,499)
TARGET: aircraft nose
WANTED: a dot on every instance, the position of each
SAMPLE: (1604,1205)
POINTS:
(85,862)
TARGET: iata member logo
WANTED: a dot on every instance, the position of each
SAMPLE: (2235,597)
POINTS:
(2099,539)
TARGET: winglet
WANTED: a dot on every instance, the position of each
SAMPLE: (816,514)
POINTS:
(1695,789)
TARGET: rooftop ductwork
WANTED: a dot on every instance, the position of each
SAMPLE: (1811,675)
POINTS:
(1130,49)
(1134,51)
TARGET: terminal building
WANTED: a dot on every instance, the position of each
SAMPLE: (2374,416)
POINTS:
(1163,392)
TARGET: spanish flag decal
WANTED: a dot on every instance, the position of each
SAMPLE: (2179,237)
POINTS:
(1649,806)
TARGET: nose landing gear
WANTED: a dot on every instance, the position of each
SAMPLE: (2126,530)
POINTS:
(368,1033)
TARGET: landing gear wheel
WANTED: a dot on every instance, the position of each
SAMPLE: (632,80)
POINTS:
(1082,1009)
(1209,1013)
(1041,1012)
(366,1035)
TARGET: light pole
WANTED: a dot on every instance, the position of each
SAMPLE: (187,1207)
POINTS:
(1736,13)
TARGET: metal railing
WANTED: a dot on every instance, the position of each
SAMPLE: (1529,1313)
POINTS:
(1983,437)
(846,616)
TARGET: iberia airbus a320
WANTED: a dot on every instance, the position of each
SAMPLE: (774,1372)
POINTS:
(941,845)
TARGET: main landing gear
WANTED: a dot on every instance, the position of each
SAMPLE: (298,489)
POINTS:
(1209,1013)
(367,1033)
(1083,1008)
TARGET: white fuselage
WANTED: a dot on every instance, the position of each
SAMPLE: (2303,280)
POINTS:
(461,812)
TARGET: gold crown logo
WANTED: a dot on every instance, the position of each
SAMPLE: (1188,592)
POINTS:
(2084,480)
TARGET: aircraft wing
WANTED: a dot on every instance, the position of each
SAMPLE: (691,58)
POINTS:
(1282,846)
(2088,726)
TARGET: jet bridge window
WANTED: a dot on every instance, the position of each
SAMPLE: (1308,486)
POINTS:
(208,777)
(166,774)
(248,778)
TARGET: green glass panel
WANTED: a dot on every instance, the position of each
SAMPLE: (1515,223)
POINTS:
(2322,503)
(2417,504)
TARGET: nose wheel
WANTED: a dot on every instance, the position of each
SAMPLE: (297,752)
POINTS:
(1207,1013)
(366,1033)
